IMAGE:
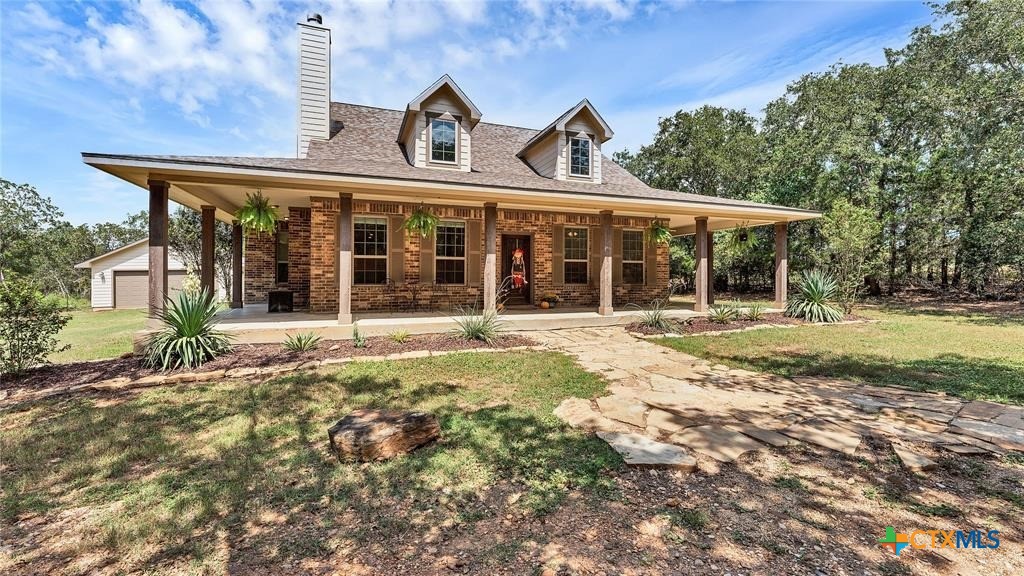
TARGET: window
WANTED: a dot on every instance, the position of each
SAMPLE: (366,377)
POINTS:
(282,256)
(370,239)
(632,256)
(579,155)
(576,255)
(442,140)
(450,253)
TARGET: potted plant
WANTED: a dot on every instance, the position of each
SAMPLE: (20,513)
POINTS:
(548,300)
(658,232)
(421,221)
(742,239)
(257,215)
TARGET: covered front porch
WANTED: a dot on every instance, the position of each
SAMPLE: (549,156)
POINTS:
(340,249)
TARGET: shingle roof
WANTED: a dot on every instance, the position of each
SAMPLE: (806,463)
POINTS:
(363,144)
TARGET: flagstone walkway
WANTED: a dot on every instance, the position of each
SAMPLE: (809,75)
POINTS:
(661,399)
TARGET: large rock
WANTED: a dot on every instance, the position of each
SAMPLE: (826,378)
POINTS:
(366,435)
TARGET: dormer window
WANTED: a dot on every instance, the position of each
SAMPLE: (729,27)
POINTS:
(443,140)
(579,157)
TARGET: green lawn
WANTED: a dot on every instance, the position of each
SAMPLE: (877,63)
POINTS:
(193,479)
(974,355)
(95,335)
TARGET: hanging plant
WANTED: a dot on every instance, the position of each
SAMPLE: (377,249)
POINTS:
(257,215)
(658,232)
(421,222)
(742,239)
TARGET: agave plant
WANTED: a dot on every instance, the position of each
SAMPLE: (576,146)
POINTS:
(755,312)
(257,215)
(473,326)
(421,221)
(814,297)
(188,337)
(723,313)
(658,232)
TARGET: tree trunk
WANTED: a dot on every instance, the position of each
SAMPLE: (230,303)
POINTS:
(944,263)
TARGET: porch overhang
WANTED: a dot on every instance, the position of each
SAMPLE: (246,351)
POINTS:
(223,186)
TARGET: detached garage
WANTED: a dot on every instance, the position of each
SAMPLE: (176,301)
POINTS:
(120,278)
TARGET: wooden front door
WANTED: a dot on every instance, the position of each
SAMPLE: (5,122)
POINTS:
(509,244)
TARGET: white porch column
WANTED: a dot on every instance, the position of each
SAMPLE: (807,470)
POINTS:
(206,245)
(345,259)
(158,190)
(490,256)
(701,277)
(605,306)
(781,263)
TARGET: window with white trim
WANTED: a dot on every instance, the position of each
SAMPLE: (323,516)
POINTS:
(443,140)
(450,253)
(370,254)
(282,256)
(632,257)
(579,157)
(576,255)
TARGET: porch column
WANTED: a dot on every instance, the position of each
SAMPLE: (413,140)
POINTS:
(236,264)
(605,306)
(711,267)
(206,274)
(490,256)
(701,257)
(345,259)
(158,190)
(781,263)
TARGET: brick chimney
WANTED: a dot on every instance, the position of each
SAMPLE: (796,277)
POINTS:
(314,117)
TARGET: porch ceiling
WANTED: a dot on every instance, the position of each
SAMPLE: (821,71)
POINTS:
(226,189)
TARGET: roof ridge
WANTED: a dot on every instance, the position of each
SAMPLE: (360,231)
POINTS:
(372,107)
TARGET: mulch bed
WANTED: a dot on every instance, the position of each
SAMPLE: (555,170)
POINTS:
(246,356)
(702,325)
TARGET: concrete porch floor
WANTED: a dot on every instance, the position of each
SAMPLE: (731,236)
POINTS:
(254,325)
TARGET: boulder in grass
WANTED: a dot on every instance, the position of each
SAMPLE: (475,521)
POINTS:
(366,435)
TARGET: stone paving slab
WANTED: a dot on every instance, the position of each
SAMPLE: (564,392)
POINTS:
(717,442)
(639,450)
(626,410)
(826,434)
(578,413)
(912,461)
(1002,436)
(669,422)
(770,437)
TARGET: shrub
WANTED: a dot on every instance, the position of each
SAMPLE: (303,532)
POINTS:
(188,337)
(813,299)
(754,312)
(399,336)
(473,326)
(723,313)
(29,324)
(358,340)
(654,316)
(301,342)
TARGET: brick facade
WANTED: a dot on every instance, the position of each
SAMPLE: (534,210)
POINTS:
(313,260)
(260,266)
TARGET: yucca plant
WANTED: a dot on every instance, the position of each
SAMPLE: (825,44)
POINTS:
(653,316)
(400,336)
(473,326)
(754,312)
(301,342)
(814,298)
(658,232)
(257,215)
(723,313)
(421,221)
(188,337)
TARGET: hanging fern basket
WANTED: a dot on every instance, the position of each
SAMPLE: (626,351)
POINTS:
(742,239)
(658,232)
(421,221)
(257,215)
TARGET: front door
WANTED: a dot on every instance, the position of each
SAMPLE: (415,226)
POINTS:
(516,269)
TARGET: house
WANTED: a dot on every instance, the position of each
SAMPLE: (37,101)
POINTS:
(544,205)
(120,278)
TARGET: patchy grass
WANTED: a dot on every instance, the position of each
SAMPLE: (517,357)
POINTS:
(165,480)
(969,353)
(95,335)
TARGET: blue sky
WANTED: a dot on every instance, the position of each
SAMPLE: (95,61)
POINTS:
(218,77)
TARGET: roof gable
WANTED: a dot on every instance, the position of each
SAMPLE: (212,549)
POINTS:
(560,123)
(444,83)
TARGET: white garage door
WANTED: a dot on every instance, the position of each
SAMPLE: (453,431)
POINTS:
(131,287)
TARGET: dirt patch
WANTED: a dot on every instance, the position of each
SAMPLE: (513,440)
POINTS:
(55,376)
